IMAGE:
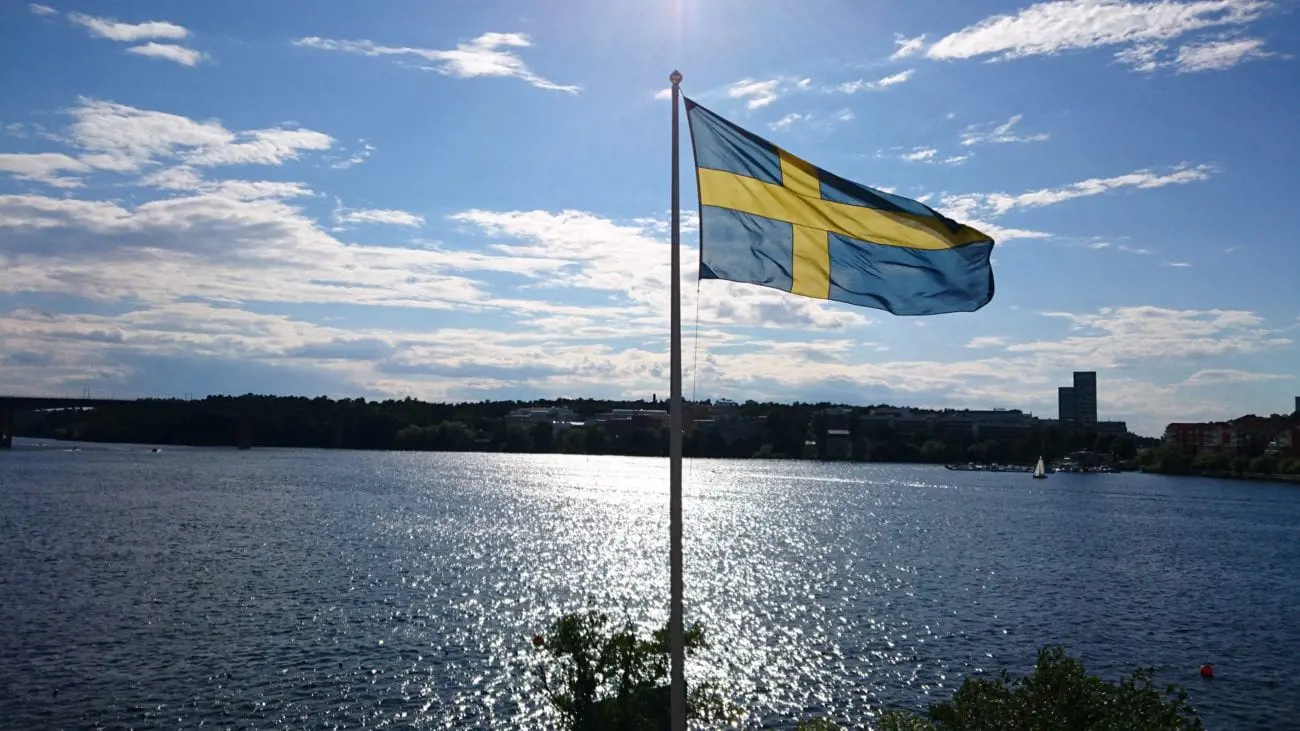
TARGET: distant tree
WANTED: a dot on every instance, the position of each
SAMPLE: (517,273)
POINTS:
(543,435)
(934,451)
(1265,465)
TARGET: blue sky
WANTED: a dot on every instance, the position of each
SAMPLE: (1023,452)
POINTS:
(463,201)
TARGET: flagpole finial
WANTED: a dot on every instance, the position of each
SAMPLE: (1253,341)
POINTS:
(675,77)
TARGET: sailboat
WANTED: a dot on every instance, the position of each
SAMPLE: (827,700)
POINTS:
(1040,471)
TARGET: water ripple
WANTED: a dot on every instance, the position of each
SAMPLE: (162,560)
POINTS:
(273,589)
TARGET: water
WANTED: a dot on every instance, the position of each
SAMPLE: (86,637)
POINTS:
(276,589)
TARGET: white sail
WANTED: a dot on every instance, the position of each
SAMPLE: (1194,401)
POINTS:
(1040,469)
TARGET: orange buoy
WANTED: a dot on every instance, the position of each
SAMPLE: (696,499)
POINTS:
(1207,671)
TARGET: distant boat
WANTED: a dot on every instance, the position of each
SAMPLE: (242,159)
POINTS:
(1040,471)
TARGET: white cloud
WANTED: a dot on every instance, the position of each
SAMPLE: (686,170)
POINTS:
(664,95)
(1000,234)
(1219,376)
(378,215)
(44,167)
(127,32)
(1115,336)
(1062,25)
(1103,245)
(42,9)
(957,159)
(262,147)
(977,134)
(790,120)
(987,341)
(1000,203)
(844,115)
(1178,264)
(757,94)
(357,158)
(1218,55)
(130,138)
(908,46)
(186,178)
(168,51)
(919,154)
(1144,57)
(489,55)
(853,87)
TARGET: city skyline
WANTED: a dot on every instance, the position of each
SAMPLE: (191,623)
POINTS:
(458,203)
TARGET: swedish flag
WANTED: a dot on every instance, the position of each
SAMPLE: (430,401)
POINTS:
(770,218)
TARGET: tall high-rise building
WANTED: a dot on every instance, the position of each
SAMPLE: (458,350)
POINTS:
(1065,404)
(1085,398)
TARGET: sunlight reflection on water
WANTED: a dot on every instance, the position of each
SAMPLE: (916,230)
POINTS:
(323,588)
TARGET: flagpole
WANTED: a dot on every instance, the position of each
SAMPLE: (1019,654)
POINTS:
(676,627)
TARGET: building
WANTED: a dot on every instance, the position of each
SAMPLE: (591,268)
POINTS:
(536,414)
(1296,413)
(1077,405)
(1218,437)
(838,444)
(1065,404)
(1118,428)
(1085,398)
(1248,435)
(996,423)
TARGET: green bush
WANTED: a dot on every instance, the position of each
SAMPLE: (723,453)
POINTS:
(601,676)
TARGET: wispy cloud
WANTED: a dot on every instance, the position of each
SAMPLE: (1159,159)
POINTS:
(919,154)
(957,159)
(113,30)
(664,95)
(1178,264)
(1115,336)
(1001,203)
(853,87)
(1220,376)
(46,167)
(391,217)
(1123,247)
(489,55)
(42,9)
(993,133)
(357,158)
(987,341)
(790,120)
(118,136)
(844,115)
(907,46)
(757,94)
(1143,28)
(171,52)
(1219,55)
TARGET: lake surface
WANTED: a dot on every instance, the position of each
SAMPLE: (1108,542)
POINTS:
(326,589)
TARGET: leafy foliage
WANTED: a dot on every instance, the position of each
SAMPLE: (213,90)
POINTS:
(1061,696)
(605,676)
(772,430)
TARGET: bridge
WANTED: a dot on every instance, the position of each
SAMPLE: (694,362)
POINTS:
(11,405)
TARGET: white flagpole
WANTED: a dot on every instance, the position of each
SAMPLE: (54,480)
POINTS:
(676,628)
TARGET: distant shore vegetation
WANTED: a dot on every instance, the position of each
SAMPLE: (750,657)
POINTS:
(631,428)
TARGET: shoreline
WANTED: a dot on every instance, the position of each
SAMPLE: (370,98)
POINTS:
(1229,475)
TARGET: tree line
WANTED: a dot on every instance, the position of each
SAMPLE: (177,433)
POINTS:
(759,430)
